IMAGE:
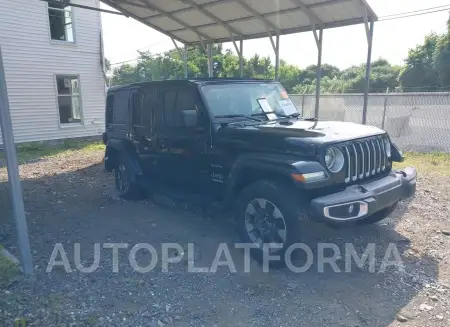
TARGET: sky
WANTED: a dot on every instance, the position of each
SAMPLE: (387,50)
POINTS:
(342,47)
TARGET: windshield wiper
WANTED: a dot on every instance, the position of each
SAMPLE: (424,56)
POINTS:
(238,116)
(311,119)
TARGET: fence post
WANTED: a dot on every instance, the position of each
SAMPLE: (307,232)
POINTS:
(385,108)
(303,102)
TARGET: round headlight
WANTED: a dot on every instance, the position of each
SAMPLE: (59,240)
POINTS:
(334,159)
(387,147)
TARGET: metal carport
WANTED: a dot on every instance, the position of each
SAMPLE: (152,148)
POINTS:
(205,22)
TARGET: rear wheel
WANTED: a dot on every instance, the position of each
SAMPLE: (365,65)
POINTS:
(268,215)
(126,187)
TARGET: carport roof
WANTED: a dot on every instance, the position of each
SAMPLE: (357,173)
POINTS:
(215,21)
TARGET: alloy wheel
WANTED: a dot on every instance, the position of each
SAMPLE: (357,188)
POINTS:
(265,224)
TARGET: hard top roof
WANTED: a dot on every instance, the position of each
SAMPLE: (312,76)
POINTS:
(197,81)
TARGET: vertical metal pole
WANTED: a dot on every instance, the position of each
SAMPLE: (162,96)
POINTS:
(210,63)
(185,60)
(241,58)
(318,73)
(385,108)
(277,58)
(303,102)
(13,175)
(368,68)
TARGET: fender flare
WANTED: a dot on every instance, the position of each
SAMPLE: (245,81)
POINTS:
(126,150)
(274,165)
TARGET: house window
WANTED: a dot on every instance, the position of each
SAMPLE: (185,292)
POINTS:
(61,21)
(69,103)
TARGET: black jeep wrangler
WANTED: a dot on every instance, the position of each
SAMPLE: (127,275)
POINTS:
(244,143)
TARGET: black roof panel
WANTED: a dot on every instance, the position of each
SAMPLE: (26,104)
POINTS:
(197,81)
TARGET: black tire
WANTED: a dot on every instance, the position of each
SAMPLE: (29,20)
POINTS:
(292,206)
(378,216)
(124,180)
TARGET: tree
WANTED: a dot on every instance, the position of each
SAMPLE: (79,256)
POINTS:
(441,58)
(426,68)
(419,72)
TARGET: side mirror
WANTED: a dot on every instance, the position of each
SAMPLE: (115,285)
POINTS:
(190,117)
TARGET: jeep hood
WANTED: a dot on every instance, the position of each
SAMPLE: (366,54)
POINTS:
(295,133)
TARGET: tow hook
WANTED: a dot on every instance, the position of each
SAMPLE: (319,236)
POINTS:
(402,173)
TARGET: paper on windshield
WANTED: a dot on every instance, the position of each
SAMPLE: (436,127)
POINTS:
(287,106)
(265,106)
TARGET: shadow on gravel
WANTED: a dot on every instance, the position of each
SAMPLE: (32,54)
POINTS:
(80,207)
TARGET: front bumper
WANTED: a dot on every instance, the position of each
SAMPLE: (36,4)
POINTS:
(358,202)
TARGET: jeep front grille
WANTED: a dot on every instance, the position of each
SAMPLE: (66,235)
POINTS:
(365,159)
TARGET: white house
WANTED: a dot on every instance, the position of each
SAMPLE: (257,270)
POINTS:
(52,55)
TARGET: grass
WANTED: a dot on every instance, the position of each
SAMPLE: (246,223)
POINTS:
(8,270)
(31,151)
(433,162)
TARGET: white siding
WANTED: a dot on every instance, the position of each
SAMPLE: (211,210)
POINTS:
(32,60)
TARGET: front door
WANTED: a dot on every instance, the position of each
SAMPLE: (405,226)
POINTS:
(186,147)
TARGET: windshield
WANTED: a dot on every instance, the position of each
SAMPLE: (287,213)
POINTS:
(245,99)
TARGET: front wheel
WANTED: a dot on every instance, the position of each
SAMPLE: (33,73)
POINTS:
(268,215)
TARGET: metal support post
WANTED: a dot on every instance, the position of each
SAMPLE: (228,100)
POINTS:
(13,175)
(303,103)
(277,58)
(276,49)
(319,43)
(185,60)
(241,58)
(369,31)
(385,108)
(210,59)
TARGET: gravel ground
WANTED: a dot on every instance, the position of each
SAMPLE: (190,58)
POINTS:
(72,202)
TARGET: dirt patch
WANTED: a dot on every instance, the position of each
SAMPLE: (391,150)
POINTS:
(69,200)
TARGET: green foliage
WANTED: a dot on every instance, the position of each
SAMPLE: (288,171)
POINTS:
(426,68)
(31,151)
(8,270)
(419,69)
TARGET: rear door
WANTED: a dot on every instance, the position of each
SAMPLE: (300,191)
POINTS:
(143,136)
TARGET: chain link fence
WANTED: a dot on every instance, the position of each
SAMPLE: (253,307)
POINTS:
(415,121)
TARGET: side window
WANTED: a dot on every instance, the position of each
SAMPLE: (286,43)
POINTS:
(175,101)
(120,107)
(61,21)
(150,103)
(136,102)
(170,114)
(69,103)
(185,100)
